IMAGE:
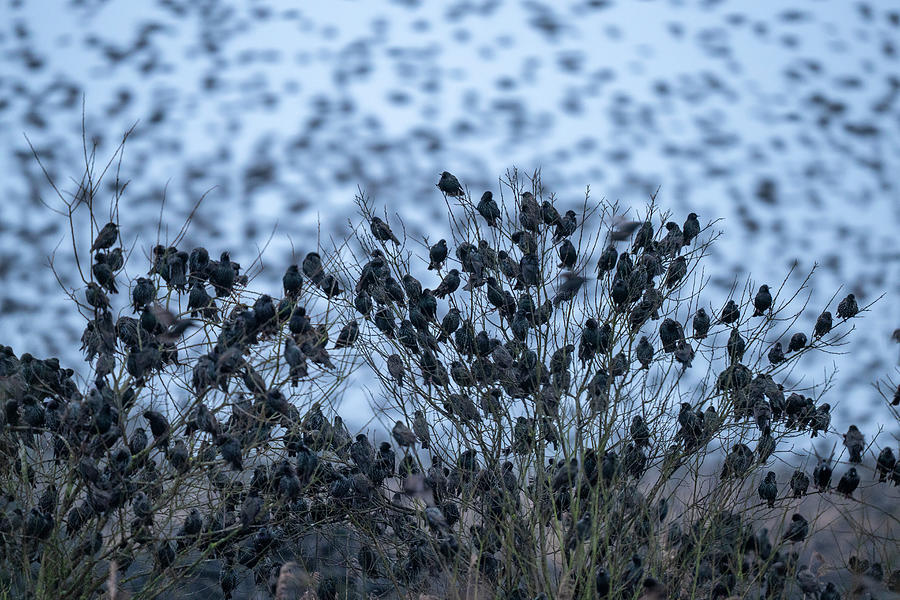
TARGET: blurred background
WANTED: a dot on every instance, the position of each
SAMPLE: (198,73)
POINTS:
(780,118)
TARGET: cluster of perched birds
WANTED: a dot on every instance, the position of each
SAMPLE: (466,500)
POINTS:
(275,474)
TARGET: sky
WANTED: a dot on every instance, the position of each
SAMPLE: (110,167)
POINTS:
(779,118)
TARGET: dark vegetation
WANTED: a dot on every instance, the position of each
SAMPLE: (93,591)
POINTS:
(570,416)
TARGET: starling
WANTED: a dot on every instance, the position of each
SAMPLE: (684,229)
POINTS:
(797,530)
(822,475)
(437,255)
(549,214)
(676,272)
(348,335)
(823,325)
(776,354)
(672,243)
(449,324)
(847,309)
(730,313)
(768,489)
(448,285)
(222,276)
(382,231)
(798,342)
(105,277)
(684,354)
(569,288)
(690,229)
(292,281)
(885,463)
(799,483)
(855,444)
(644,352)
(567,254)
(420,428)
(403,435)
(848,483)
(313,268)
(159,426)
(607,260)
(106,237)
(529,212)
(144,293)
(735,346)
(701,324)
(639,431)
(644,237)
(670,332)
(568,223)
(762,301)
(449,185)
(96,297)
(488,209)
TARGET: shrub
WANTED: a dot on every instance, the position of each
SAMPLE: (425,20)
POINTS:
(555,431)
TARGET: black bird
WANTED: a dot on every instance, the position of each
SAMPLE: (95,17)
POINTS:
(730,313)
(855,443)
(644,237)
(292,281)
(762,301)
(639,431)
(885,463)
(670,332)
(776,354)
(448,285)
(437,255)
(797,530)
(567,254)
(701,324)
(768,489)
(105,277)
(222,276)
(420,428)
(607,260)
(403,435)
(822,475)
(823,324)
(382,231)
(106,237)
(396,368)
(313,268)
(644,352)
(798,342)
(676,272)
(449,185)
(672,243)
(569,288)
(847,308)
(96,297)
(690,229)
(529,270)
(449,324)
(159,426)
(529,212)
(568,223)
(363,303)
(362,453)
(348,335)
(549,214)
(799,483)
(488,209)
(735,346)
(384,321)
(848,483)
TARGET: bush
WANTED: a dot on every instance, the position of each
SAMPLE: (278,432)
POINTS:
(556,431)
